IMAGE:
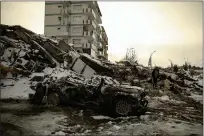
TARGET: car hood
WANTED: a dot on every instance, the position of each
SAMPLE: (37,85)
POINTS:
(122,88)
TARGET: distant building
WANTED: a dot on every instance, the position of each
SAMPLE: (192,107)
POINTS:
(77,23)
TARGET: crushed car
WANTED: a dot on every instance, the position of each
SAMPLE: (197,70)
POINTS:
(115,100)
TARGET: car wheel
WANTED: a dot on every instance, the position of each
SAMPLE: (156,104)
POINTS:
(123,107)
(38,96)
(53,99)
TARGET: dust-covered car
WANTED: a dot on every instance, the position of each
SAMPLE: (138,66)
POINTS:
(116,100)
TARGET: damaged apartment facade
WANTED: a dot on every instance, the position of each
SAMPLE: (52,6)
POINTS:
(77,23)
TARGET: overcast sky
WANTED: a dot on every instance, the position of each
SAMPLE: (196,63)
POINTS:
(173,29)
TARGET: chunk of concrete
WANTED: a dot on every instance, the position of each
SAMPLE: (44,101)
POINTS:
(88,72)
(78,66)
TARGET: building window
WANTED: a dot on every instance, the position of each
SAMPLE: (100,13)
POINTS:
(76,41)
(85,28)
(76,29)
(58,28)
(59,6)
(59,18)
(77,7)
(88,51)
(76,18)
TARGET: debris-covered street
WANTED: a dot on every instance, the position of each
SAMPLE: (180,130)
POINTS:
(176,119)
(167,117)
(175,106)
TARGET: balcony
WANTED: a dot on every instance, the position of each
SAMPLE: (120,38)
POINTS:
(89,22)
(99,38)
(94,5)
(66,12)
(90,35)
(93,46)
(100,47)
(87,10)
(104,40)
(86,47)
(82,45)
(100,53)
(103,56)
(90,12)
(106,55)
(106,47)
(86,22)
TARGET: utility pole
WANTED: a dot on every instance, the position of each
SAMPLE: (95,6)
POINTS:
(171,64)
(150,60)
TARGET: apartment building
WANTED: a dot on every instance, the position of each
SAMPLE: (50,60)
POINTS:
(77,23)
(103,43)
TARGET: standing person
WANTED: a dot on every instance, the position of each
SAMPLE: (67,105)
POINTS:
(155,76)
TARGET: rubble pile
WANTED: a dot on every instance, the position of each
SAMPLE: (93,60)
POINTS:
(60,74)
(28,59)
(26,54)
(137,74)
(26,51)
(23,52)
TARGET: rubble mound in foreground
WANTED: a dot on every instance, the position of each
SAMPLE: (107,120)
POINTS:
(23,50)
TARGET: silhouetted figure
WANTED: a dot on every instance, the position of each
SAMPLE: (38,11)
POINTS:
(155,76)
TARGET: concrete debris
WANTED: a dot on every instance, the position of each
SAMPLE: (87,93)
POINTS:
(58,67)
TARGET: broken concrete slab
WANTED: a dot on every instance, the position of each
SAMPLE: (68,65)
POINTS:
(79,66)
(88,72)
(97,66)
(63,46)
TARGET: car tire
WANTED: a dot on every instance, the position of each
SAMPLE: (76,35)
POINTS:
(53,99)
(123,107)
(38,96)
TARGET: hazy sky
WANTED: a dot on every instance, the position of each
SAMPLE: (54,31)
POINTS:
(173,29)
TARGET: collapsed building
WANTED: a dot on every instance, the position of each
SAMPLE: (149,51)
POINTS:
(24,54)
(26,50)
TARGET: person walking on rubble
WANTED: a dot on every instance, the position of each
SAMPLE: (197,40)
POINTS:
(155,76)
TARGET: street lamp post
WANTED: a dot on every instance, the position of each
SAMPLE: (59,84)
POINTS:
(171,64)
(150,59)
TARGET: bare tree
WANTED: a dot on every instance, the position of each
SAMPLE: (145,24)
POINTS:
(131,55)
